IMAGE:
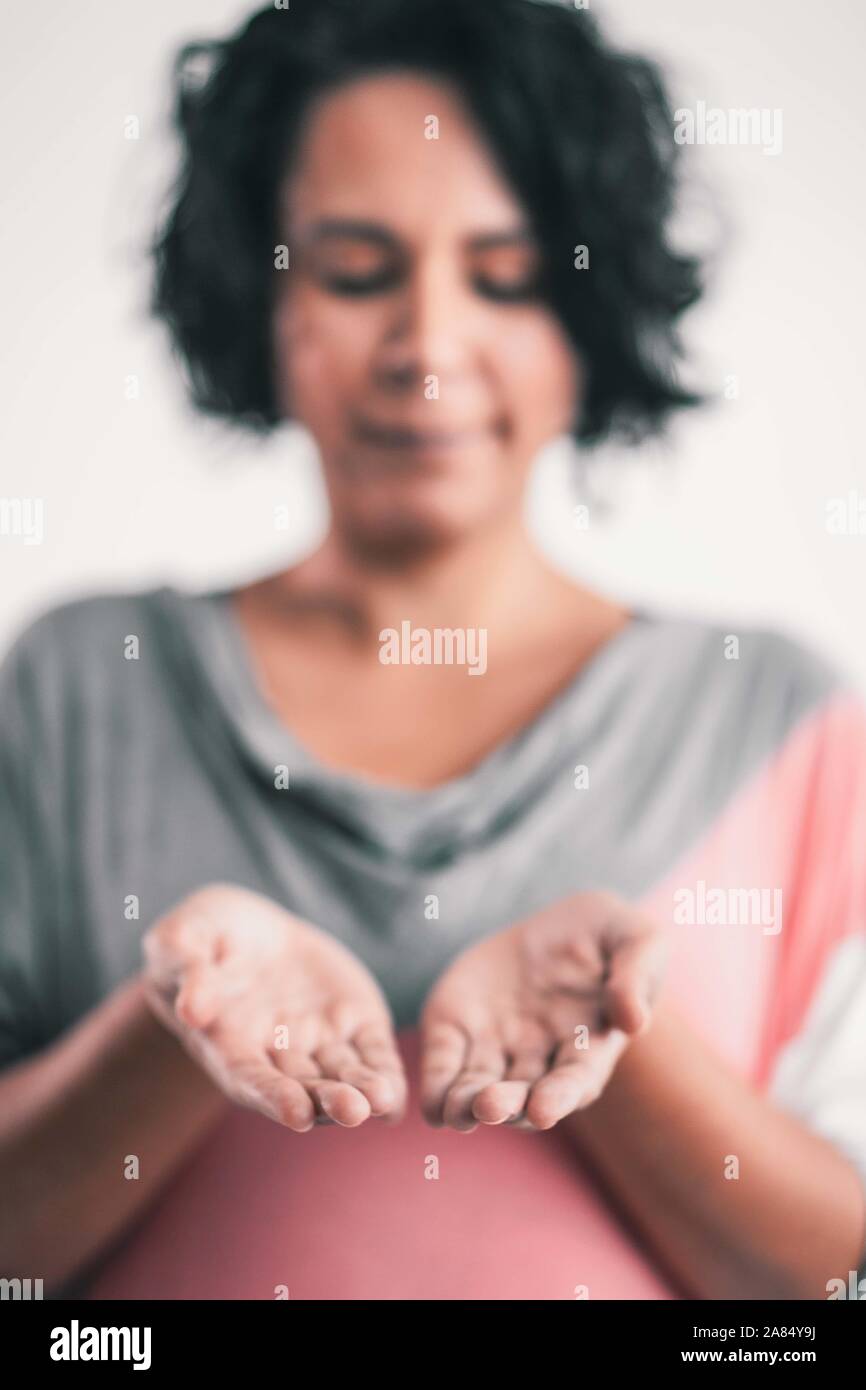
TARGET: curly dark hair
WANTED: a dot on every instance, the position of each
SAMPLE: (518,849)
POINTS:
(583,133)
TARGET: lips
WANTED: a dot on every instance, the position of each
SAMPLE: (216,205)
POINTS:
(408,437)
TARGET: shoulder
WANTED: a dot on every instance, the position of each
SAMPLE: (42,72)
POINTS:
(764,652)
(721,700)
(79,624)
(72,632)
(73,651)
(753,669)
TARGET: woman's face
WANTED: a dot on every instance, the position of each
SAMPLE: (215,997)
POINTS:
(408,336)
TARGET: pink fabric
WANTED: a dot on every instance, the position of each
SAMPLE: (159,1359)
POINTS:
(338,1214)
(349,1214)
(798,825)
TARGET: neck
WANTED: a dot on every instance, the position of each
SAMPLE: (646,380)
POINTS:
(495,579)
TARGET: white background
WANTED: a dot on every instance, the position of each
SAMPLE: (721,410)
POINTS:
(730,520)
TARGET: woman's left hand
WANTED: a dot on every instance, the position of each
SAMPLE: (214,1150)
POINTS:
(527,1026)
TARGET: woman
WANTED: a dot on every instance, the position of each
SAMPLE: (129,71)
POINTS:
(604,908)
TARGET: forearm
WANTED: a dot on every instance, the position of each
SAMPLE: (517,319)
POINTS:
(659,1138)
(118,1084)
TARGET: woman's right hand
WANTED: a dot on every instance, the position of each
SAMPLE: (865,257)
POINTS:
(282,1017)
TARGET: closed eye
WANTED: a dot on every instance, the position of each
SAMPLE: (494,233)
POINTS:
(509,272)
(507,292)
(358,285)
(353,265)
(357,260)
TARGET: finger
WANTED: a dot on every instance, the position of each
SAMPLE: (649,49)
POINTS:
(484,1066)
(172,948)
(377,1048)
(507,1100)
(332,1055)
(558,1093)
(198,998)
(305,1033)
(250,1076)
(500,1101)
(337,1101)
(443,1050)
(180,938)
(303,1068)
(166,966)
(340,1062)
(294,1062)
(257,1084)
(341,1018)
(573,1085)
(530,1063)
(632,982)
(521,1123)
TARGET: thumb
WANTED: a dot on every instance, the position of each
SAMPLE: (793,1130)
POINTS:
(633,981)
(198,998)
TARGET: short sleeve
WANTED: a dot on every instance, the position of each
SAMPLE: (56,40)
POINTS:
(821,1075)
(819,1072)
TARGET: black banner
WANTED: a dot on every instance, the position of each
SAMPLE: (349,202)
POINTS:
(155,1338)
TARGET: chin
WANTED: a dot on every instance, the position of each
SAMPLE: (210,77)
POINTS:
(399,534)
(438,508)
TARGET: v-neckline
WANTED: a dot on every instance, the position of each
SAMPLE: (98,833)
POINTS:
(401,818)
(249,669)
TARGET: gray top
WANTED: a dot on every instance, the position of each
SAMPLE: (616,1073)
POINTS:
(141,771)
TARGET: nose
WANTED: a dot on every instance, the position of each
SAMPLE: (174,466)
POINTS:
(431,328)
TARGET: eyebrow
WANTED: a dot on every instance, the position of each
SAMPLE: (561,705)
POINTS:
(335,228)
